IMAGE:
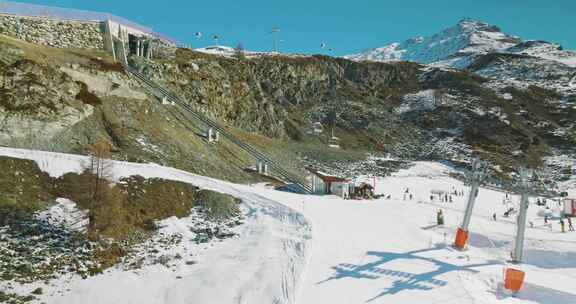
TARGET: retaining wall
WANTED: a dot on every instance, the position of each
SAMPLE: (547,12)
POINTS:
(54,33)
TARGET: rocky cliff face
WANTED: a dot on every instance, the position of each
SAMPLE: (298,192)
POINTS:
(403,108)
(273,94)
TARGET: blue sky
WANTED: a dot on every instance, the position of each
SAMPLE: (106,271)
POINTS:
(345,26)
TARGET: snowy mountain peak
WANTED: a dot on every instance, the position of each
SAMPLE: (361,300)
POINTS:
(476,25)
(466,37)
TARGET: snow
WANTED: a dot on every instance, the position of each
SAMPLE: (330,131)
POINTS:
(269,254)
(420,101)
(323,249)
(451,47)
(230,52)
(388,53)
(217,50)
(146,145)
(65,213)
(545,50)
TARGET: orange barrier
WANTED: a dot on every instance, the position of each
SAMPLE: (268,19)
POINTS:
(461,238)
(514,279)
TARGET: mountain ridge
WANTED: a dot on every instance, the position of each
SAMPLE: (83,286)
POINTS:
(459,45)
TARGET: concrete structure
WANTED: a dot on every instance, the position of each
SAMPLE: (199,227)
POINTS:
(70,28)
(262,167)
(213,136)
(323,183)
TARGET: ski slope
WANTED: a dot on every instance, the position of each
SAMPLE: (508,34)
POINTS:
(322,249)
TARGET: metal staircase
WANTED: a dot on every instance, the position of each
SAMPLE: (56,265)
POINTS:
(163,93)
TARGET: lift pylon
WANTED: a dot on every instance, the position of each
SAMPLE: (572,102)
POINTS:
(475,178)
(514,278)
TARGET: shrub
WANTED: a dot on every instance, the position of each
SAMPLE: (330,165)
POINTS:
(218,205)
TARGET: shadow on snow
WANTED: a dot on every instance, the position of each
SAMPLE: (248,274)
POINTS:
(538,294)
(405,280)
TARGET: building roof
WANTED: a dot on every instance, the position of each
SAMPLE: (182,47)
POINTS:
(327,177)
(364,185)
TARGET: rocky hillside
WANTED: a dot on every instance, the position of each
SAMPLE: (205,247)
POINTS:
(289,107)
(402,108)
(64,99)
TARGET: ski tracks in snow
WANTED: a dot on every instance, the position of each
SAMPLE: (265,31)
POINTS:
(264,265)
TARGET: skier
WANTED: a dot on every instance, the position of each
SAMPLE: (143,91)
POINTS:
(562,225)
(545,219)
(431,198)
(451,198)
(440,218)
(494,216)
(531,224)
(570,227)
(410,196)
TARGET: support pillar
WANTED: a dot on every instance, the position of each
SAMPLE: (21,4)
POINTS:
(259,166)
(518,253)
(210,137)
(514,278)
(477,175)
(520,229)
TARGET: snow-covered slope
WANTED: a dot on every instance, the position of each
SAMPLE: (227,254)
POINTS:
(264,265)
(382,251)
(466,38)
(545,50)
(458,46)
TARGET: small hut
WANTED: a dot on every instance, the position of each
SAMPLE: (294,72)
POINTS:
(363,191)
(324,183)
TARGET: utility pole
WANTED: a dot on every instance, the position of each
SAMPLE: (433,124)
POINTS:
(475,178)
(274,32)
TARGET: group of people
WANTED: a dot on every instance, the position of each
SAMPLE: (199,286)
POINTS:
(408,194)
(457,192)
(540,202)
(444,198)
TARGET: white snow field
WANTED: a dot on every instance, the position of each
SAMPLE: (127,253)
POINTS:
(322,249)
